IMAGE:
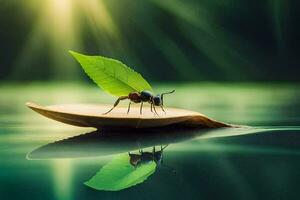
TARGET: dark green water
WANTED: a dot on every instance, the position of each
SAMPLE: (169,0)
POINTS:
(257,162)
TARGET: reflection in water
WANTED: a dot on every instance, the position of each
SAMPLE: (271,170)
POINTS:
(109,142)
(274,141)
(145,157)
(126,170)
(130,168)
(62,178)
(105,142)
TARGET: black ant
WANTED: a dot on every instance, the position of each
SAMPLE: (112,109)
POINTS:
(141,97)
(146,157)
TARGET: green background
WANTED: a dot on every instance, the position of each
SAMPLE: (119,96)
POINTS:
(235,61)
(170,40)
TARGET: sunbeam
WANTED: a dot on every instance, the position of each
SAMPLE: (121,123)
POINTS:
(278,16)
(201,27)
(57,29)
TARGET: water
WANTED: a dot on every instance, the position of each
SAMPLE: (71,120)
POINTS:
(44,159)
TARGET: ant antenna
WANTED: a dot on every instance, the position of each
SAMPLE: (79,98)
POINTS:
(162,96)
(167,92)
(162,148)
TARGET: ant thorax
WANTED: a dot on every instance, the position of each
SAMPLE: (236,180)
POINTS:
(146,96)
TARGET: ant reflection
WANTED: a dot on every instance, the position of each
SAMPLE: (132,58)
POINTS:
(143,158)
(147,157)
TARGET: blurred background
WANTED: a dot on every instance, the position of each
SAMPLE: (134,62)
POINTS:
(224,57)
(166,41)
(236,61)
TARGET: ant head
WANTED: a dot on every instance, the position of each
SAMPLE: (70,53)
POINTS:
(146,95)
(157,100)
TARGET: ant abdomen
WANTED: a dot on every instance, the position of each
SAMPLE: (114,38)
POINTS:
(134,97)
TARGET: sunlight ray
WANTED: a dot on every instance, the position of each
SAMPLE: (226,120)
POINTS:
(279,16)
(205,34)
(54,30)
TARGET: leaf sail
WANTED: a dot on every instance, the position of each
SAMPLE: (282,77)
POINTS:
(111,75)
(120,174)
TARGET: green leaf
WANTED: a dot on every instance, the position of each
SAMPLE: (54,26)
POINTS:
(111,75)
(120,174)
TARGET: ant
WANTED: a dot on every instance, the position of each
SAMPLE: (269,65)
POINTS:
(146,157)
(141,97)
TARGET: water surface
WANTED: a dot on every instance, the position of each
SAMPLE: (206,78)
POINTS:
(44,159)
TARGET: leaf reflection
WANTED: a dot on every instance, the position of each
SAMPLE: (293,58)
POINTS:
(119,174)
(127,170)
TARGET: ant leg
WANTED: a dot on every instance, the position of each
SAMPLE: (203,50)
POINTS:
(153,152)
(141,108)
(162,107)
(151,106)
(128,107)
(116,103)
(155,109)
